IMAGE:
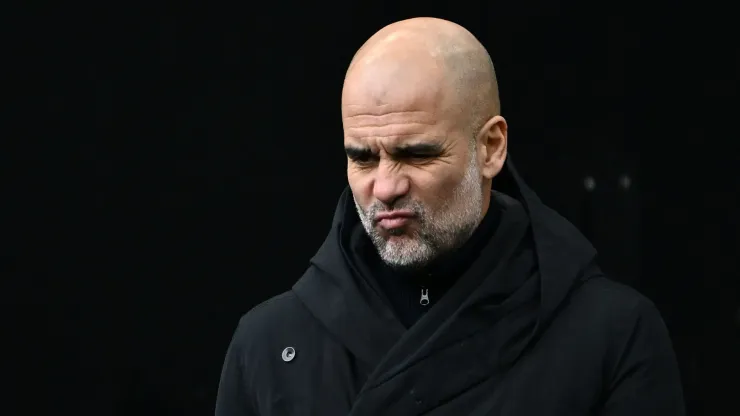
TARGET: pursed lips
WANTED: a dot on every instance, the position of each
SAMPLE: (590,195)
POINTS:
(393,219)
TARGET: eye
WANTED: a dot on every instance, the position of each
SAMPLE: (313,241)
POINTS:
(364,159)
(419,158)
(419,153)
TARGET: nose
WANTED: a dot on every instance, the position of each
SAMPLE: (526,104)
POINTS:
(389,184)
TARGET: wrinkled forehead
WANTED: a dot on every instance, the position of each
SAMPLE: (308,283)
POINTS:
(393,130)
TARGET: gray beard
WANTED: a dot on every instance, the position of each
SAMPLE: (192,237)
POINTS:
(438,233)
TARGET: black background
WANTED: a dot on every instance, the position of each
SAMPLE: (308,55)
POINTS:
(177,165)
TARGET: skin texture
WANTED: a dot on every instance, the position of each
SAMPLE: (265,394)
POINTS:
(423,137)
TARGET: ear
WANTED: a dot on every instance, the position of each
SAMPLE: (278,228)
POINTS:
(492,145)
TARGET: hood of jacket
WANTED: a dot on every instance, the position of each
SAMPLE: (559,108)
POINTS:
(353,314)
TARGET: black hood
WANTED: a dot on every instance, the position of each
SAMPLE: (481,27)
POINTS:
(353,314)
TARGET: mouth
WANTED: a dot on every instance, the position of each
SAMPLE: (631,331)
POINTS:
(393,220)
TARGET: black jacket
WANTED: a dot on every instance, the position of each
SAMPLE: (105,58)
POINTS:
(531,328)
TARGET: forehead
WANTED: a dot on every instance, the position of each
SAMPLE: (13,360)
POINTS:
(386,125)
(396,99)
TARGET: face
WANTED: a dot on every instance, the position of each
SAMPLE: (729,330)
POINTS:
(420,176)
(417,227)
(414,176)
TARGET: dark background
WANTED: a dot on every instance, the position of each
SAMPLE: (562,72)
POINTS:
(180,165)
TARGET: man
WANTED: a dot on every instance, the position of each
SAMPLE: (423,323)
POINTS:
(445,287)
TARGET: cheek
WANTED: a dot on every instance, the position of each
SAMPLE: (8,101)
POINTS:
(435,188)
(361,187)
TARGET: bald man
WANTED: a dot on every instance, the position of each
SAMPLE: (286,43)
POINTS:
(445,287)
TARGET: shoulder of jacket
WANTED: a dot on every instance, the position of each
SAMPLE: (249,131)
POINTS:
(635,332)
(618,303)
(269,312)
(267,320)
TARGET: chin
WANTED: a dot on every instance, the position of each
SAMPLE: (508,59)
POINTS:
(404,264)
(397,234)
(405,232)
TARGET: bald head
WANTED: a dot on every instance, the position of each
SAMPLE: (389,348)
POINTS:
(425,59)
(423,138)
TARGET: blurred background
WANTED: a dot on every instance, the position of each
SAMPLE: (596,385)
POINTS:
(178,165)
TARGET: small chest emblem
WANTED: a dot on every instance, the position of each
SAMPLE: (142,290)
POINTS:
(288,354)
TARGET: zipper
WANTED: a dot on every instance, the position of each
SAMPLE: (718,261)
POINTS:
(424,301)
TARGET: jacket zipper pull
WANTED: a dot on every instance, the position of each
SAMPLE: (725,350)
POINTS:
(424,301)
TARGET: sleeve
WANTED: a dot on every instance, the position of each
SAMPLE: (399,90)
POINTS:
(233,398)
(646,379)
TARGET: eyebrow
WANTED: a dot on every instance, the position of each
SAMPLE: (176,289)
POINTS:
(416,149)
(357,152)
